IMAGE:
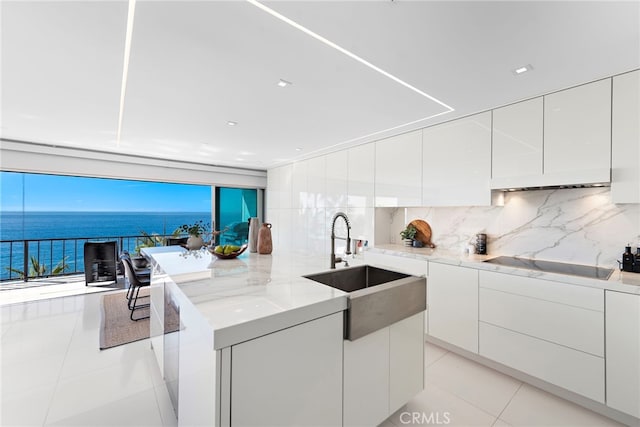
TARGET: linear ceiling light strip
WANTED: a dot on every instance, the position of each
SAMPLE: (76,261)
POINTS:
(348,53)
(125,67)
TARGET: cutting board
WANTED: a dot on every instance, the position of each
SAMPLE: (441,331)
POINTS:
(424,232)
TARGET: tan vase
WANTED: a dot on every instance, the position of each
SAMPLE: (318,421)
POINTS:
(195,242)
(265,245)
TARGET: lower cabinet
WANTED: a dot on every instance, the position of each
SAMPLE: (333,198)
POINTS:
(452,305)
(289,378)
(623,351)
(383,371)
(552,331)
(406,360)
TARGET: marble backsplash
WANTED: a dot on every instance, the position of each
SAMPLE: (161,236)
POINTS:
(578,225)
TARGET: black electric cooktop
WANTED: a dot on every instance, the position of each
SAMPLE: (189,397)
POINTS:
(554,267)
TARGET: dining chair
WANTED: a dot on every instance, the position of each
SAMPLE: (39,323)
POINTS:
(136,282)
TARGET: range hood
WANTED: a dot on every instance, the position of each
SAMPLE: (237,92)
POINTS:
(555,180)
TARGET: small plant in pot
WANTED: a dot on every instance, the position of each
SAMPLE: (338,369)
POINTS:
(196,232)
(408,234)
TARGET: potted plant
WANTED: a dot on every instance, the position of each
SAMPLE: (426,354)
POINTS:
(408,234)
(195,231)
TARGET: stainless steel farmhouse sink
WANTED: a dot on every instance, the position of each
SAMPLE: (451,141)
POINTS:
(377,297)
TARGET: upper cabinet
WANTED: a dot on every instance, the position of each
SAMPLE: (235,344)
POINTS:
(456,161)
(563,138)
(336,184)
(361,176)
(577,135)
(517,144)
(279,187)
(625,143)
(398,173)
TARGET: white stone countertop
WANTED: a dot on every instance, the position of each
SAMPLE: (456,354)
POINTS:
(619,281)
(249,296)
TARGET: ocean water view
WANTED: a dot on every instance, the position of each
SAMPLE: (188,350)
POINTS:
(64,225)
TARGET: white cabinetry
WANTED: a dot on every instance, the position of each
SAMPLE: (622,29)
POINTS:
(279,187)
(366,379)
(623,352)
(398,172)
(361,176)
(406,360)
(577,134)
(625,143)
(336,170)
(289,378)
(553,331)
(452,298)
(517,145)
(383,371)
(457,162)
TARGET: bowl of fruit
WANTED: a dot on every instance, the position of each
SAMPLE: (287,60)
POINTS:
(227,251)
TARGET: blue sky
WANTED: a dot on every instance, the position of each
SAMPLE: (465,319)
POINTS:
(66,193)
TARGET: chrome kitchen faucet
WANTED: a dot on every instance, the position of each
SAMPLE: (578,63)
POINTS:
(334,258)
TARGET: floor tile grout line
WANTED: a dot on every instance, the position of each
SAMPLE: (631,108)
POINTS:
(464,400)
(509,402)
(66,355)
(437,360)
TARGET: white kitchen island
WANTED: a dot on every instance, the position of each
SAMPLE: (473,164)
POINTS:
(258,343)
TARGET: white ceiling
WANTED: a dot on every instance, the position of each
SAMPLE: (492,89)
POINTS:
(194,65)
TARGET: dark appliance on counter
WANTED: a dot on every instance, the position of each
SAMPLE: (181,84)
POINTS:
(630,262)
(481,244)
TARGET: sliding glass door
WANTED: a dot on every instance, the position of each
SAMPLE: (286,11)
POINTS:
(234,207)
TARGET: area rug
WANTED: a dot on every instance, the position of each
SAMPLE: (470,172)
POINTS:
(117,328)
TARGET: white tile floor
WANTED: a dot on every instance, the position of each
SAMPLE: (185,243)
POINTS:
(460,392)
(52,373)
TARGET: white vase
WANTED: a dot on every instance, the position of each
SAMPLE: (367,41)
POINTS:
(195,242)
(254,228)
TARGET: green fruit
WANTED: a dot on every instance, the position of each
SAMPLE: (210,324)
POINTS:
(234,248)
(228,249)
(219,249)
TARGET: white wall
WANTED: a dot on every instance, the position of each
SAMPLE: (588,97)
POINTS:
(578,225)
(303,197)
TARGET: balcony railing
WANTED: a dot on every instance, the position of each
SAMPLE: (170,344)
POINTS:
(40,258)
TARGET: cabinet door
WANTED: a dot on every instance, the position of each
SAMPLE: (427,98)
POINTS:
(366,379)
(577,134)
(299,193)
(574,370)
(623,352)
(625,143)
(517,144)
(457,162)
(452,298)
(289,378)
(398,171)
(336,172)
(406,360)
(361,176)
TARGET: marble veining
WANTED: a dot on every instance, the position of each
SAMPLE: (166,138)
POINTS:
(249,296)
(578,225)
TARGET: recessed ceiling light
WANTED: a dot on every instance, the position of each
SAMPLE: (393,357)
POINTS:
(284,83)
(298,149)
(523,69)
(232,123)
